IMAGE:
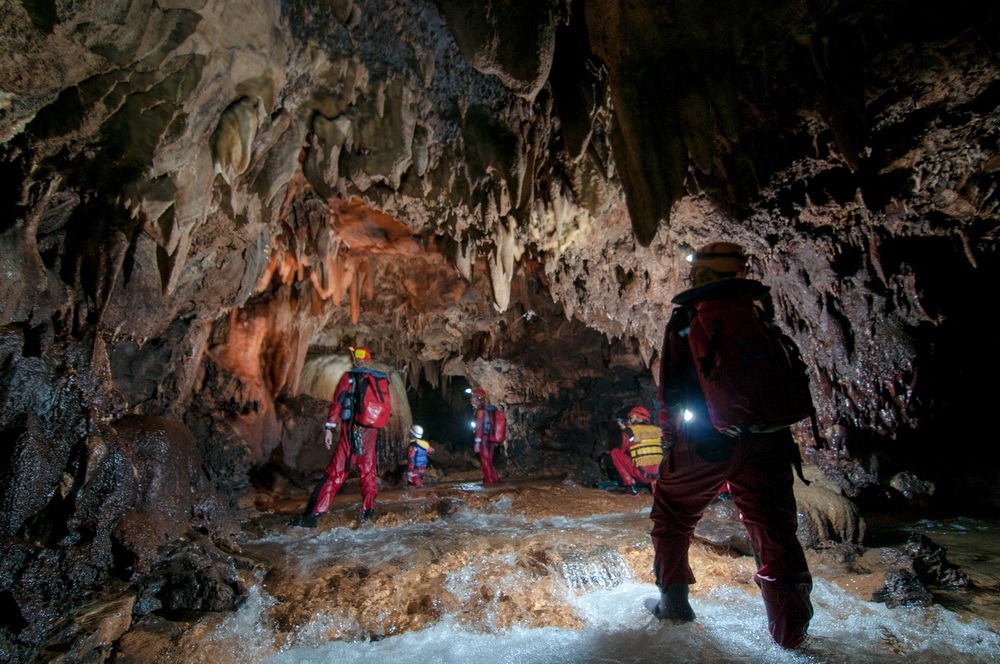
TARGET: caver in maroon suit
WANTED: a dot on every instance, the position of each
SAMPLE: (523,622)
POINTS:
(482,443)
(758,470)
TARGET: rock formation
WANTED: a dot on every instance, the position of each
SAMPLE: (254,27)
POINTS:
(202,197)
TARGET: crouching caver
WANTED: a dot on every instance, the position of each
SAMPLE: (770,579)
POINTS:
(638,458)
(418,452)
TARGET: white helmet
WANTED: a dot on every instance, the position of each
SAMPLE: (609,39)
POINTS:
(417,431)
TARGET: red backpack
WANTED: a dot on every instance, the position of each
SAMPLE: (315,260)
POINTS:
(750,372)
(495,423)
(371,390)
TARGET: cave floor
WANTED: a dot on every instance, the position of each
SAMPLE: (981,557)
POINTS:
(491,559)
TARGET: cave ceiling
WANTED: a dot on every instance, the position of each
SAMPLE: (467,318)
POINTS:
(499,191)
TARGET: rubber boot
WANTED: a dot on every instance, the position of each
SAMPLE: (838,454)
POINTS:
(366,516)
(673,604)
(632,490)
(307,521)
(788,609)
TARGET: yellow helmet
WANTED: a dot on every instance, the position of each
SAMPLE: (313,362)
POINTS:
(360,354)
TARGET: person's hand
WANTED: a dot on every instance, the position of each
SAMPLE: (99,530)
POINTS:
(475,448)
(328,438)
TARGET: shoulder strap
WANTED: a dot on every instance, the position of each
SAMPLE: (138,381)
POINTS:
(374,377)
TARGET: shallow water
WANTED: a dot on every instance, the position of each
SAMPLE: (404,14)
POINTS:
(585,566)
(730,628)
(972,544)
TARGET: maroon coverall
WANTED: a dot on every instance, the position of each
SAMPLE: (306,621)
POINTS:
(344,459)
(485,448)
(758,469)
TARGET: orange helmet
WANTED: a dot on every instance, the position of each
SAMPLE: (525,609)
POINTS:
(478,394)
(641,414)
(361,354)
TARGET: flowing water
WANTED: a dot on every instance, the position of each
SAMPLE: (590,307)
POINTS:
(579,570)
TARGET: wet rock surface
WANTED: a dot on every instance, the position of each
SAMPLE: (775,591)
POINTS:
(496,557)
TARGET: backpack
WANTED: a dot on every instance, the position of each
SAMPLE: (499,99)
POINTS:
(370,394)
(495,424)
(750,373)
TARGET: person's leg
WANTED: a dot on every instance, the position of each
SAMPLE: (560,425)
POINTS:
(494,475)
(680,497)
(367,467)
(761,488)
(417,477)
(336,472)
(486,461)
(623,465)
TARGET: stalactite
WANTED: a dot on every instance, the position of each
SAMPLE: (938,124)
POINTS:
(367,269)
(342,276)
(233,138)
(288,267)
(413,368)
(432,373)
(265,279)
(321,281)
(502,262)
(109,268)
(355,292)
(465,258)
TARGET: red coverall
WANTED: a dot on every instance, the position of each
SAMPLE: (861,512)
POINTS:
(344,459)
(485,448)
(758,469)
(627,469)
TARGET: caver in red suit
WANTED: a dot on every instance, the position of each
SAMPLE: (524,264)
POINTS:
(757,468)
(345,456)
(481,443)
(637,459)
